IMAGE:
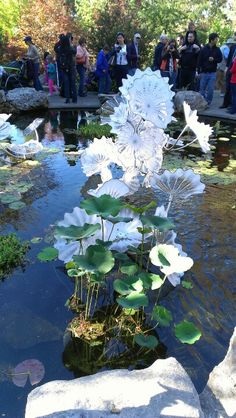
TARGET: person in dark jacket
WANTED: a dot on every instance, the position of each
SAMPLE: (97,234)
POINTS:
(231,56)
(188,61)
(102,71)
(210,56)
(66,55)
(158,52)
(168,65)
(133,54)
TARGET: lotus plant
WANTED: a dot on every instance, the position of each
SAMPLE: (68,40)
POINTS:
(107,240)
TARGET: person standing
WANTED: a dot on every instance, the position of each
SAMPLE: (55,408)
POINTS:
(220,74)
(102,71)
(158,51)
(52,76)
(133,54)
(168,65)
(233,87)
(33,55)
(66,54)
(188,61)
(82,63)
(231,56)
(120,59)
(209,57)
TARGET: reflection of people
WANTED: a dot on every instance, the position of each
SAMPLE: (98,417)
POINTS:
(51,128)
(33,55)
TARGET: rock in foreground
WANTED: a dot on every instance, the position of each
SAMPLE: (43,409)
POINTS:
(193,98)
(163,389)
(26,99)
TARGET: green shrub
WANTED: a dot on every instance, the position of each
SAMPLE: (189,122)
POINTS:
(95,130)
(12,254)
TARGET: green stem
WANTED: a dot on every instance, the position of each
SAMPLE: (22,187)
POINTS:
(159,291)
(76,285)
(91,299)
(111,232)
(148,260)
(102,224)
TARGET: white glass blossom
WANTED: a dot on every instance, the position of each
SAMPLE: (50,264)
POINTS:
(149,95)
(181,184)
(177,263)
(26,150)
(114,188)
(201,130)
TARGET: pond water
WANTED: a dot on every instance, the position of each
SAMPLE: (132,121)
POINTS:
(33,316)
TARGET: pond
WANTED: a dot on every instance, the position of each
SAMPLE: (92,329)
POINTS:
(33,315)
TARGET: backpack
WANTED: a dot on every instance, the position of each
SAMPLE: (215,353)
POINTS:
(63,60)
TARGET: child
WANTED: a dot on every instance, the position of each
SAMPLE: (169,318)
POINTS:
(233,87)
(102,71)
(51,75)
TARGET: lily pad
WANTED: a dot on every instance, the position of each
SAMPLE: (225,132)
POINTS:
(96,259)
(48,254)
(103,206)
(134,300)
(186,284)
(187,332)
(77,232)
(32,369)
(36,240)
(162,315)
(148,341)
(17,205)
(129,268)
(162,224)
(128,285)
(9,197)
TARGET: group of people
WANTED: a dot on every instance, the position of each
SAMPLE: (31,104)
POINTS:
(187,63)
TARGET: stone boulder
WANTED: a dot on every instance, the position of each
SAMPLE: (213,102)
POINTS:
(163,389)
(27,99)
(218,399)
(193,98)
(5,106)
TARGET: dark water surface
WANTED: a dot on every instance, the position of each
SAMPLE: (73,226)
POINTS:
(32,312)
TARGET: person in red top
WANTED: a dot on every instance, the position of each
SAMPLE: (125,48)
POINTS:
(233,87)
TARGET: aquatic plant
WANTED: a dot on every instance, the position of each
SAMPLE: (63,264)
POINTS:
(119,250)
(12,254)
(94,130)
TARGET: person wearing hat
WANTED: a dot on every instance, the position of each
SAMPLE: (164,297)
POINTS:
(33,55)
(220,74)
(133,54)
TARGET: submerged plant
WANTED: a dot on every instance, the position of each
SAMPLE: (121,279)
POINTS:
(12,254)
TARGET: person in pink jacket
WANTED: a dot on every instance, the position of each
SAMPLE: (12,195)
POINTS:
(82,63)
(233,87)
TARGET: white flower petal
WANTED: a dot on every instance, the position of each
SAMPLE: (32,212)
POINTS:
(114,188)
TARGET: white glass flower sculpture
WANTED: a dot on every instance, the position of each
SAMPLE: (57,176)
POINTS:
(114,188)
(201,130)
(26,150)
(181,184)
(177,263)
(150,96)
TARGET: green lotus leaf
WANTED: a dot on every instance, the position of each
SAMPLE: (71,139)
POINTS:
(48,254)
(150,280)
(143,209)
(186,284)
(103,206)
(187,332)
(75,273)
(70,265)
(104,243)
(118,219)
(129,268)
(162,224)
(36,240)
(134,300)
(148,341)
(96,259)
(158,256)
(162,315)
(128,285)
(10,197)
(17,205)
(121,257)
(77,232)
(129,311)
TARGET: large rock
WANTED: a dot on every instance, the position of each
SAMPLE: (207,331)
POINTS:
(5,106)
(219,396)
(163,389)
(27,98)
(193,98)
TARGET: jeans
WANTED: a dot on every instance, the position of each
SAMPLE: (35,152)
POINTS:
(172,77)
(207,84)
(81,71)
(104,84)
(69,84)
(233,97)
(37,84)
